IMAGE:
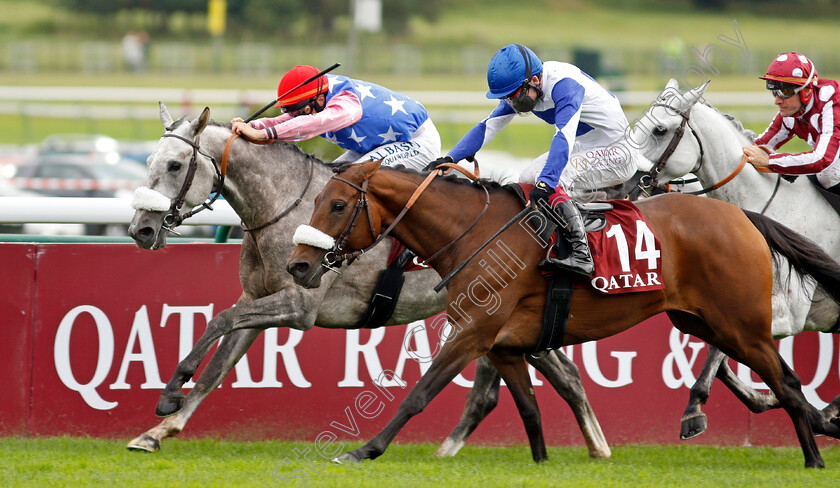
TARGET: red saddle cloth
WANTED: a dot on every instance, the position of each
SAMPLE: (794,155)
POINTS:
(396,249)
(627,254)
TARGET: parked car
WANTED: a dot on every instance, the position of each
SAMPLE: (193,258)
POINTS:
(82,175)
(78,144)
(110,148)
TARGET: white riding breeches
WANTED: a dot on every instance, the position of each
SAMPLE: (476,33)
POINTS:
(589,167)
(416,154)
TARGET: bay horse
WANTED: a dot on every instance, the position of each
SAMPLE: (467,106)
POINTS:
(715,262)
(263,183)
(709,147)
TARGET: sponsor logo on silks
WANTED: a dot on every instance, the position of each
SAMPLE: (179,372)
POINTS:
(396,151)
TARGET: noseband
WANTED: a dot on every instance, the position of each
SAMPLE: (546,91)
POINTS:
(174,217)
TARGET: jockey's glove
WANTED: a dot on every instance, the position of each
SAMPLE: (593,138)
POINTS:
(540,192)
(437,162)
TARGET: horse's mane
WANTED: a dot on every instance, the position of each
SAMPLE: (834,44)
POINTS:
(749,134)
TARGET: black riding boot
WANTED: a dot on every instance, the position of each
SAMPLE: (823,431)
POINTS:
(579,260)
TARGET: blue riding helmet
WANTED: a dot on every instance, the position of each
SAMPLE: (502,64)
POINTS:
(510,67)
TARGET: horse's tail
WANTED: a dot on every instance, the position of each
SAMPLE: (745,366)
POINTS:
(804,255)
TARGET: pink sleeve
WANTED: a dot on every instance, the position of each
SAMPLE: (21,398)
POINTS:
(269,121)
(343,110)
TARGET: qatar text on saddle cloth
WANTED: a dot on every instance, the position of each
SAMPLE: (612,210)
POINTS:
(627,254)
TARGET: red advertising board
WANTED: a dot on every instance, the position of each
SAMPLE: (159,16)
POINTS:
(92,332)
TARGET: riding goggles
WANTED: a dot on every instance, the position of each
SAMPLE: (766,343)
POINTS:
(786,90)
(298,108)
(785,93)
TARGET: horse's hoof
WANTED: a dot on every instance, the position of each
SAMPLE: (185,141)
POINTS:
(144,443)
(693,426)
(600,453)
(169,405)
(348,458)
(449,447)
(819,463)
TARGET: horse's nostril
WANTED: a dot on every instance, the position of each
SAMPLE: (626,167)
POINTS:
(299,269)
(142,235)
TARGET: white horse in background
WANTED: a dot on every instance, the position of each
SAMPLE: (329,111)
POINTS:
(682,134)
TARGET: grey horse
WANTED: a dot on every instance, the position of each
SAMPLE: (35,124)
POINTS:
(262,184)
(710,148)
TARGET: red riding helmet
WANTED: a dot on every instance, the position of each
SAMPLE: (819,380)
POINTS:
(299,93)
(790,70)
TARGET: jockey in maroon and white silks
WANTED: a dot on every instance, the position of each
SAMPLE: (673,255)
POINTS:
(809,108)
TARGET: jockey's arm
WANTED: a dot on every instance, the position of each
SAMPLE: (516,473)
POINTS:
(826,147)
(776,134)
(484,132)
(568,97)
(343,110)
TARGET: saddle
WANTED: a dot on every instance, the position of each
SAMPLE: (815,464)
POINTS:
(593,213)
(832,198)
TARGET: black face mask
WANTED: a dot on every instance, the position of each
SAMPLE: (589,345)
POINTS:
(521,102)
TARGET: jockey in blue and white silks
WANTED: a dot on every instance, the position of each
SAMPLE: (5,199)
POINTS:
(586,153)
(368,120)
(590,127)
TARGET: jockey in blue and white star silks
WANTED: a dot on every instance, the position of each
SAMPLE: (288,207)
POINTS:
(586,151)
(368,120)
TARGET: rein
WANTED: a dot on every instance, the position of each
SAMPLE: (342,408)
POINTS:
(362,204)
(672,146)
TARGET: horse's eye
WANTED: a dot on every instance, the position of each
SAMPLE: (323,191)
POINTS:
(174,166)
(338,207)
(659,130)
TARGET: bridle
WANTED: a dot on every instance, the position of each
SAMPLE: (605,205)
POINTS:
(334,256)
(174,218)
(653,174)
(650,177)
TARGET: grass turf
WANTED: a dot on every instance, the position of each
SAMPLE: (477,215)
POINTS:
(80,462)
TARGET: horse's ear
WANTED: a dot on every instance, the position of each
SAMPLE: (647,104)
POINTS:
(673,84)
(164,115)
(369,168)
(200,123)
(692,96)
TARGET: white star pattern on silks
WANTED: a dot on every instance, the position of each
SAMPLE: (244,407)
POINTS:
(330,137)
(364,91)
(355,137)
(390,135)
(396,105)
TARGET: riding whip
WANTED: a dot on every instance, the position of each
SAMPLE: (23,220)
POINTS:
(274,102)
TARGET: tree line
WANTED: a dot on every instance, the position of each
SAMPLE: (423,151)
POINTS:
(273,17)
